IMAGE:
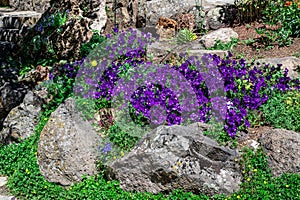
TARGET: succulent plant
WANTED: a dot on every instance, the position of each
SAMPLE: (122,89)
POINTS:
(185,35)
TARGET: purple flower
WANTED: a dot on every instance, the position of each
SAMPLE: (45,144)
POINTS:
(116,29)
(107,148)
(51,76)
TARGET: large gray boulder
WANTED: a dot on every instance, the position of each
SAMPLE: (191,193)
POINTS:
(67,146)
(173,157)
(283,150)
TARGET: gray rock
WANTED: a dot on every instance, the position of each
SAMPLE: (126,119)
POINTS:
(7,197)
(214,18)
(153,10)
(4,194)
(209,4)
(21,120)
(11,95)
(291,63)
(67,146)
(3,181)
(160,50)
(222,34)
(25,5)
(99,22)
(66,43)
(283,150)
(173,157)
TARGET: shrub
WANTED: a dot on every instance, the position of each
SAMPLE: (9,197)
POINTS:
(286,16)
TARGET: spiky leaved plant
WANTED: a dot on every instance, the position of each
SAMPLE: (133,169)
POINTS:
(185,35)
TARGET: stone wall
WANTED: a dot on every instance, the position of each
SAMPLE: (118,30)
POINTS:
(32,5)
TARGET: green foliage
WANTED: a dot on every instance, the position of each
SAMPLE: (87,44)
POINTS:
(61,86)
(120,138)
(282,110)
(269,38)
(250,10)
(216,131)
(258,182)
(185,35)
(45,27)
(88,107)
(60,19)
(26,182)
(248,41)
(225,46)
(286,14)
(86,48)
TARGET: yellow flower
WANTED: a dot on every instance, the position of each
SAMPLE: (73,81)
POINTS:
(179,163)
(287,186)
(238,196)
(288,102)
(27,171)
(255,170)
(45,118)
(248,179)
(94,63)
(265,182)
(45,186)
(122,153)
(115,157)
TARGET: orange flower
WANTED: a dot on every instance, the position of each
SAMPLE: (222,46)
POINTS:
(288,3)
(296,1)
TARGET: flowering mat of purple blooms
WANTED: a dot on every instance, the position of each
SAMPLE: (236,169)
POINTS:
(223,88)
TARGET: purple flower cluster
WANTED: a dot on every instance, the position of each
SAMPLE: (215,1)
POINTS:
(196,89)
(68,70)
(248,87)
(45,22)
(144,98)
(147,85)
(98,81)
(245,89)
